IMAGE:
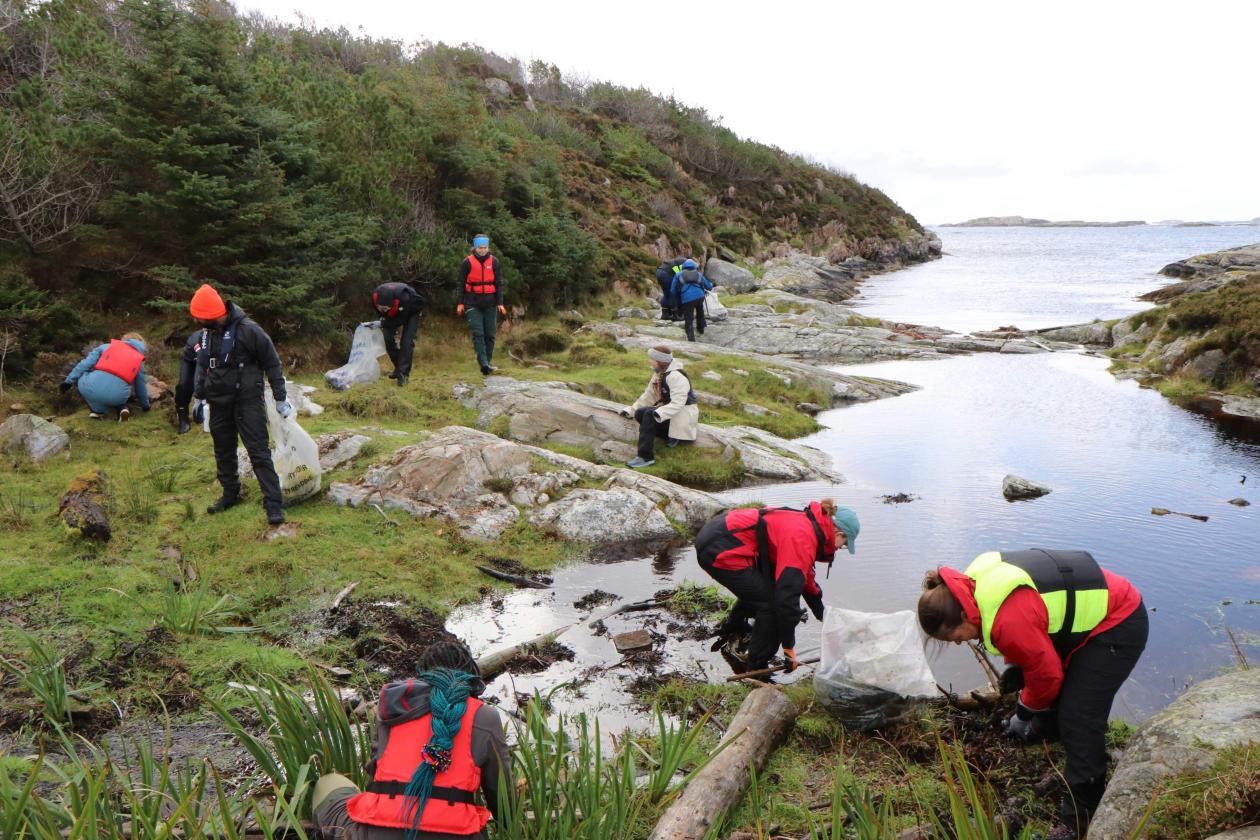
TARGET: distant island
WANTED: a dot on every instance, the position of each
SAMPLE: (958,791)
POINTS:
(1023,221)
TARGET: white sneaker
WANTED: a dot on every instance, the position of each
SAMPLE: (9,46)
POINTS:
(95,416)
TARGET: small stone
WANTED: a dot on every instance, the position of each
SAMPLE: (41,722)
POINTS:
(1240,502)
(739,372)
(809,408)
(1014,487)
(712,374)
(757,410)
(633,640)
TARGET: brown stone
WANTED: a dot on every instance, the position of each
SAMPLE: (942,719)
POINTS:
(632,640)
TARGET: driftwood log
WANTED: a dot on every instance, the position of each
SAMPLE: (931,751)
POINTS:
(83,506)
(515,580)
(762,723)
(496,661)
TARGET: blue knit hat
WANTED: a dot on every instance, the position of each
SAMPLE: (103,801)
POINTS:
(478,241)
(846,520)
(691,264)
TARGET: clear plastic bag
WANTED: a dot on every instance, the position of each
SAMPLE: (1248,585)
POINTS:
(294,454)
(872,666)
(714,309)
(363,366)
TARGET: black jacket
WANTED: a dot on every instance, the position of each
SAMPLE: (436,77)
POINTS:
(466,297)
(187,370)
(410,302)
(240,376)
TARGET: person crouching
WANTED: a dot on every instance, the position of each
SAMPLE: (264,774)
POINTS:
(437,744)
(667,408)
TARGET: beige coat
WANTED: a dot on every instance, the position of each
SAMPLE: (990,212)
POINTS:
(684,420)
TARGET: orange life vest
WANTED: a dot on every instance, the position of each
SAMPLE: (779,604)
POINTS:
(480,277)
(122,360)
(451,809)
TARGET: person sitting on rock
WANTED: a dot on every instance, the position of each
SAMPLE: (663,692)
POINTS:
(110,375)
(1073,632)
(400,308)
(766,558)
(667,408)
(436,746)
(688,291)
(665,279)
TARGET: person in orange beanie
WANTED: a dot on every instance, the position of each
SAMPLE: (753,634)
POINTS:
(234,357)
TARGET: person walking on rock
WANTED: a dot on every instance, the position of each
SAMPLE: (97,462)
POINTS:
(233,360)
(667,408)
(437,745)
(400,308)
(187,378)
(109,375)
(766,557)
(481,298)
(687,291)
(1072,632)
(665,279)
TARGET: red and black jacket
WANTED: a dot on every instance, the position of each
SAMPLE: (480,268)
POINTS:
(481,281)
(396,302)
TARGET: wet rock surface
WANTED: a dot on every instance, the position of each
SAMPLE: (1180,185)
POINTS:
(1014,487)
(1183,737)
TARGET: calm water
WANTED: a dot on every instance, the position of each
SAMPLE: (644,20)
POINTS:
(1039,277)
(1110,450)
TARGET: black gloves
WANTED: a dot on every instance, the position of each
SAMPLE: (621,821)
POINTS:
(815,604)
(199,412)
(64,386)
(1012,679)
(1029,727)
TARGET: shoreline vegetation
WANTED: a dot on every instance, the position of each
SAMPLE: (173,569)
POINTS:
(1021,221)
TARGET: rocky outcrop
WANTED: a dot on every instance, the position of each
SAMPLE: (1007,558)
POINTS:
(337,448)
(549,412)
(1014,487)
(83,506)
(1185,736)
(483,483)
(34,436)
(1097,333)
(790,325)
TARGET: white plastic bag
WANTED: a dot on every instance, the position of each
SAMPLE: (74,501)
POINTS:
(363,366)
(714,309)
(872,663)
(294,454)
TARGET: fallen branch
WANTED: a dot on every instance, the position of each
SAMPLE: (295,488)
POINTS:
(762,672)
(530,362)
(341,596)
(989,671)
(1158,511)
(517,580)
(495,662)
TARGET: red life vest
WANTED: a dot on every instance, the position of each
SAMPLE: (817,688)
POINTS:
(480,277)
(122,360)
(451,809)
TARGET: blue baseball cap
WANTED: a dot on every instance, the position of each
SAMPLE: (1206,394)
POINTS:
(846,520)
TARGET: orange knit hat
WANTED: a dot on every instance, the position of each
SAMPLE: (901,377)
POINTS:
(206,304)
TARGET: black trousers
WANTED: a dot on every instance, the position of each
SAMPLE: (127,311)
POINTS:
(1093,677)
(753,591)
(665,279)
(400,352)
(649,430)
(694,311)
(246,418)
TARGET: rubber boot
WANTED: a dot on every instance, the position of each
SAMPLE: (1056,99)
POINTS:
(223,504)
(182,415)
(275,516)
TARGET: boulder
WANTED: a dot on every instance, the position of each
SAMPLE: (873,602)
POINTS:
(730,276)
(479,480)
(604,516)
(1240,406)
(633,312)
(83,505)
(499,88)
(548,412)
(1218,713)
(1123,332)
(1171,355)
(1206,366)
(1014,487)
(34,436)
(1252,833)
(156,388)
(336,448)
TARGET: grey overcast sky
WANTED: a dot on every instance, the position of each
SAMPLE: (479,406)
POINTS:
(1103,110)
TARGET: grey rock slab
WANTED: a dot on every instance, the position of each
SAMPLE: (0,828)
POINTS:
(604,516)
(336,448)
(730,276)
(1185,736)
(1240,406)
(1096,333)
(38,439)
(1014,487)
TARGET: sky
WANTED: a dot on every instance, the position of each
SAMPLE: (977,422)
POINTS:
(1102,110)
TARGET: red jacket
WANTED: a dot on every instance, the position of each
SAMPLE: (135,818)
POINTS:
(793,542)
(1021,631)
